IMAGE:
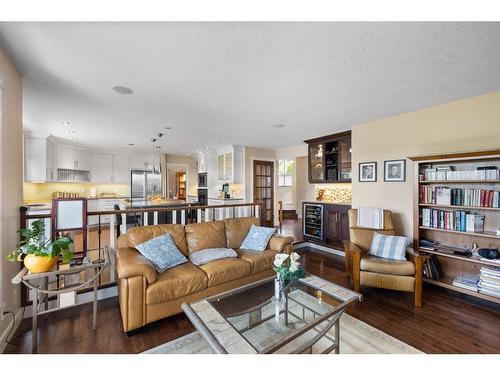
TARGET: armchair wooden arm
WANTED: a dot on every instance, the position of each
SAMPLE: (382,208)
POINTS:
(353,255)
(418,260)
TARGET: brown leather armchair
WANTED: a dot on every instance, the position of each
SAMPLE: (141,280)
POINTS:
(368,270)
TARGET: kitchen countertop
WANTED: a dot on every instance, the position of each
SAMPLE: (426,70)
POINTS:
(144,203)
(227,199)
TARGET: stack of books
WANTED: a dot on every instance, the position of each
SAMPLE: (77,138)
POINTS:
(432,268)
(489,281)
(467,282)
(459,220)
(442,195)
(435,174)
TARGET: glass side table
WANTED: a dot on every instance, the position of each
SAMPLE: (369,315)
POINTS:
(63,282)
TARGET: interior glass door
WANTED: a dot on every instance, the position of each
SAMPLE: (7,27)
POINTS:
(263,183)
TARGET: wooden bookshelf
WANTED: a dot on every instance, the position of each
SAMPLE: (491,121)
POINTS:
(451,264)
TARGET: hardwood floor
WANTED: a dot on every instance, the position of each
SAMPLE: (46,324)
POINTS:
(447,322)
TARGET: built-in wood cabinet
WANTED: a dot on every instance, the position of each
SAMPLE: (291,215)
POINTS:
(336,224)
(329,158)
(326,223)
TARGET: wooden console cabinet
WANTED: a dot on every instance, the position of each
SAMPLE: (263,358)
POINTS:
(334,225)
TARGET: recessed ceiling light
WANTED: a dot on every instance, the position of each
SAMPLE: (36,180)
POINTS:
(131,144)
(75,139)
(219,142)
(71,131)
(78,144)
(158,147)
(279,126)
(123,90)
(167,127)
(66,123)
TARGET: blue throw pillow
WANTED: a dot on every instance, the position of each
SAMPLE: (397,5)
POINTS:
(162,252)
(389,247)
(257,238)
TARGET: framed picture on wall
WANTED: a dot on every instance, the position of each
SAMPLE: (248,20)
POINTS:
(368,171)
(395,170)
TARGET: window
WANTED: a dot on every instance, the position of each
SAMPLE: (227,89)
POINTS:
(285,172)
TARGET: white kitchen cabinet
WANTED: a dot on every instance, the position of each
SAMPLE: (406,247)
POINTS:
(38,159)
(230,165)
(35,167)
(73,158)
(121,169)
(103,168)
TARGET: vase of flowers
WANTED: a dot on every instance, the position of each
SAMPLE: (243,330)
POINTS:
(287,269)
(38,253)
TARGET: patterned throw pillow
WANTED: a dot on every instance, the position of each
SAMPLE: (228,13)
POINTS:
(162,252)
(389,247)
(205,256)
(257,238)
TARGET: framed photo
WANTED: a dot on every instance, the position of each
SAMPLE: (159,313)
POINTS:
(368,171)
(395,170)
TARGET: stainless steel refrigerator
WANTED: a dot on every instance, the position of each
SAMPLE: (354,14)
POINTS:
(145,183)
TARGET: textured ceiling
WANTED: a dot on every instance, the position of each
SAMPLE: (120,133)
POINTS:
(230,82)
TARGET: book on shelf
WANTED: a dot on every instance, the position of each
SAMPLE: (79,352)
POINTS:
(489,281)
(442,195)
(435,174)
(432,268)
(466,282)
(458,220)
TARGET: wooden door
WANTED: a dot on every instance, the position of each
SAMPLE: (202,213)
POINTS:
(263,189)
(332,228)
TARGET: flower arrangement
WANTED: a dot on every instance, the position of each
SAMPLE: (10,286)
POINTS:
(287,267)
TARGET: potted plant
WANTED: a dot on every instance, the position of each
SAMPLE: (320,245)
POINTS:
(287,268)
(38,253)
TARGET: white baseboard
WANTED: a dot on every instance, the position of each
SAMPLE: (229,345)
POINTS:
(319,247)
(3,335)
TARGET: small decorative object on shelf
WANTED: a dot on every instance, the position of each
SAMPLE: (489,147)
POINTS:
(38,253)
(287,269)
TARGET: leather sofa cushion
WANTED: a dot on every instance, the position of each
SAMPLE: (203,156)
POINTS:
(260,260)
(176,282)
(387,266)
(223,270)
(237,230)
(207,235)
(394,282)
(138,235)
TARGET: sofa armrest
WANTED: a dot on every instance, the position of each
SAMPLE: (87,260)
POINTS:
(130,262)
(280,243)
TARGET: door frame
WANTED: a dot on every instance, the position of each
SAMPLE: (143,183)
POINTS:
(252,192)
(167,178)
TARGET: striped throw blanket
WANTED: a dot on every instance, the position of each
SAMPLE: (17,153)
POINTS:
(369,217)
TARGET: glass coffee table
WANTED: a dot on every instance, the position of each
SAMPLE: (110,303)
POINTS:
(249,320)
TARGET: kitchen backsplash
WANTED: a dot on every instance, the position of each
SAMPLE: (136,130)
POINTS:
(340,193)
(39,193)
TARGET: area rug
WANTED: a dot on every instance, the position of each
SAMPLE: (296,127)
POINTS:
(356,337)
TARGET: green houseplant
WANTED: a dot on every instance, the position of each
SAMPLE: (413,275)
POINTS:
(38,253)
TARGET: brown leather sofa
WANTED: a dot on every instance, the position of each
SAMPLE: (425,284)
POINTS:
(146,296)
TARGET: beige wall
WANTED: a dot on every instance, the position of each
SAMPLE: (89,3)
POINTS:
(192,174)
(465,125)
(11,179)
(304,190)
